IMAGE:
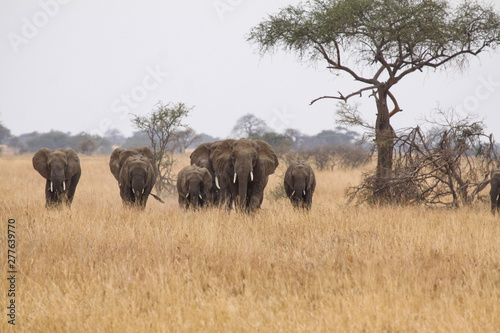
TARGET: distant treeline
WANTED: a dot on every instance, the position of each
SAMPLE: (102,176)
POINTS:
(248,126)
(95,144)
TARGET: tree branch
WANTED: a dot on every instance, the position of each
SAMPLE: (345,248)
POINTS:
(342,97)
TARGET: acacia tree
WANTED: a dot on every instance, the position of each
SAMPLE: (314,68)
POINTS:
(161,127)
(380,42)
(247,125)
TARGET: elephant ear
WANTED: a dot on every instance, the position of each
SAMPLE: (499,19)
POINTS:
(201,155)
(182,181)
(221,156)
(73,163)
(114,163)
(312,178)
(40,160)
(153,173)
(287,181)
(268,161)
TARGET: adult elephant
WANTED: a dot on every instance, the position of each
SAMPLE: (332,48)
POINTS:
(194,186)
(61,168)
(135,172)
(300,183)
(243,167)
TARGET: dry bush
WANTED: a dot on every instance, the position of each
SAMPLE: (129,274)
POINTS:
(448,166)
(99,267)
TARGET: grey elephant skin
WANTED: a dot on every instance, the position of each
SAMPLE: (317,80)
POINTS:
(495,190)
(201,158)
(136,174)
(61,168)
(241,168)
(194,186)
(300,183)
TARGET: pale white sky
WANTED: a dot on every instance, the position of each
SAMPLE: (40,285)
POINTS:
(75,66)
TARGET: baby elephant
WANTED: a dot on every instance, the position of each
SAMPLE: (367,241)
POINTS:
(61,169)
(495,189)
(194,185)
(300,183)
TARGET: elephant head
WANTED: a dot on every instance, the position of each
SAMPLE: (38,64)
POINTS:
(135,172)
(194,185)
(61,169)
(300,183)
(245,165)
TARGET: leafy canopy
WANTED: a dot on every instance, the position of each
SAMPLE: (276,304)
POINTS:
(391,37)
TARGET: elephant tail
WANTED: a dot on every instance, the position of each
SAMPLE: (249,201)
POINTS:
(157,198)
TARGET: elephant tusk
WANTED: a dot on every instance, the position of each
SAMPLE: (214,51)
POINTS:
(234,180)
(293,193)
(187,195)
(251,176)
(51,187)
(217,182)
(64,186)
(200,196)
(304,192)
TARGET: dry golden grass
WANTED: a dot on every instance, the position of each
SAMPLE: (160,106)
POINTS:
(99,267)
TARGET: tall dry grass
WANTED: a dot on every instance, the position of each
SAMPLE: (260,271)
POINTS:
(99,267)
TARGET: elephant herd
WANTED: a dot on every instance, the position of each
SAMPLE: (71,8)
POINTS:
(229,172)
(235,172)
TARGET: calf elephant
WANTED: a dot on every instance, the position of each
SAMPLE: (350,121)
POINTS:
(300,183)
(194,185)
(495,189)
(242,168)
(61,169)
(135,172)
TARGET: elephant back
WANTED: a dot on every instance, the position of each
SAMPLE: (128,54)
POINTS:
(120,156)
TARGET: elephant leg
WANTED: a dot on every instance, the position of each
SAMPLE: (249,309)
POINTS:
(50,199)
(498,203)
(308,202)
(255,201)
(71,185)
(144,201)
(495,201)
(127,195)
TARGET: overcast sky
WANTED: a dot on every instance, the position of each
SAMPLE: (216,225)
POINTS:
(78,66)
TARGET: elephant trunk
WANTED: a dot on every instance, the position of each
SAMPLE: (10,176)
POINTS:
(57,182)
(299,191)
(243,176)
(194,198)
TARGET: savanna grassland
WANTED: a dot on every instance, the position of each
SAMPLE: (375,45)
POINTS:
(99,267)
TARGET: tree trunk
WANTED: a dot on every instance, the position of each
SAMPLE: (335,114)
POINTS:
(384,140)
